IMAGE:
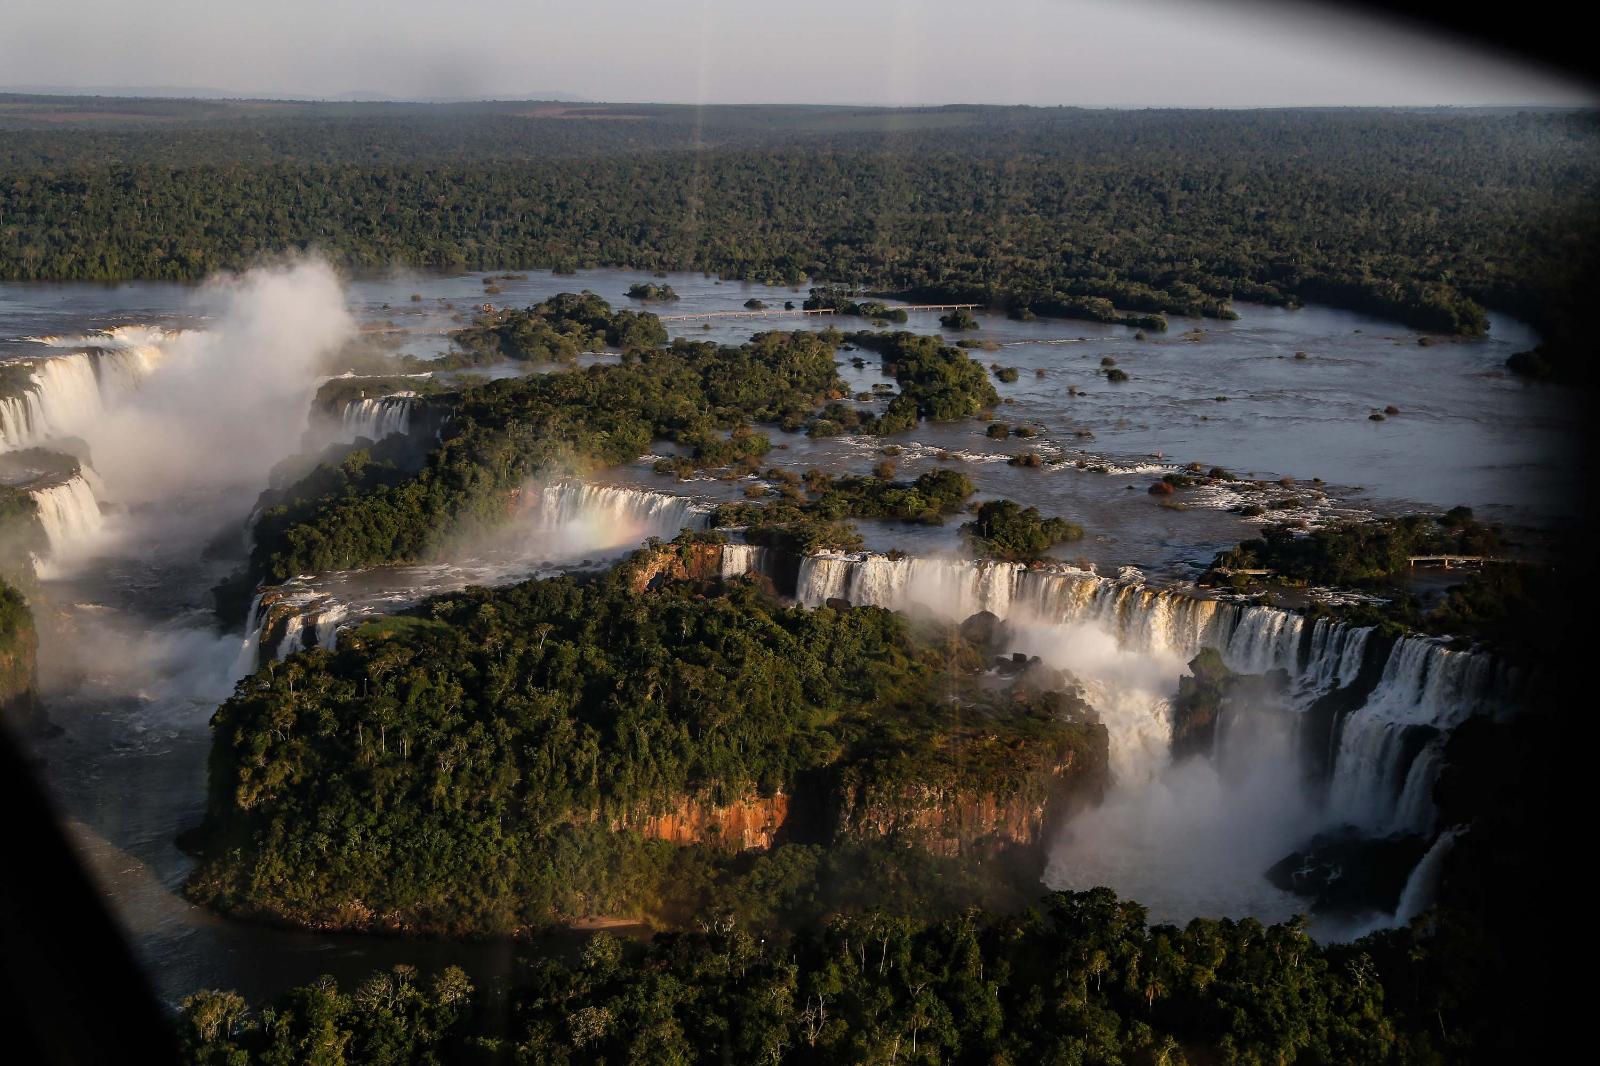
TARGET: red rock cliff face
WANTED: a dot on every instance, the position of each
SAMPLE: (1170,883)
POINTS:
(750,823)
(689,562)
(947,822)
(951,820)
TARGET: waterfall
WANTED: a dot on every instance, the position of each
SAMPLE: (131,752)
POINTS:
(1141,617)
(250,649)
(1387,750)
(68,512)
(573,517)
(288,618)
(1414,812)
(741,559)
(378,417)
(314,624)
(324,625)
(566,521)
(1423,884)
(60,395)
(1387,755)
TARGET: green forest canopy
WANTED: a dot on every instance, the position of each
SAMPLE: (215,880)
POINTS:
(1427,217)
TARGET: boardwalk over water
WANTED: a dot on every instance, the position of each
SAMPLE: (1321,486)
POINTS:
(1446,561)
(779,312)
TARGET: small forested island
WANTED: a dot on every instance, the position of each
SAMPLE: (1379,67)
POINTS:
(556,330)
(1006,530)
(959,319)
(651,292)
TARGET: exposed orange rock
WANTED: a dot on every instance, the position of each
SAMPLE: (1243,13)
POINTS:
(676,562)
(952,821)
(750,823)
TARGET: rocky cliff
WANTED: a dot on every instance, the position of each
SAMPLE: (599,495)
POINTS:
(696,560)
(976,792)
(749,823)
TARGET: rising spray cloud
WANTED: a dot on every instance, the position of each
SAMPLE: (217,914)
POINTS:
(229,400)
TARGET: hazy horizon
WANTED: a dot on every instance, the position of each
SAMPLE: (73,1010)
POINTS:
(1085,53)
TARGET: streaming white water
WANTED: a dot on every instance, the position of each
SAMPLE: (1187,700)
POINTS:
(250,648)
(573,517)
(69,514)
(378,417)
(563,525)
(1414,813)
(741,559)
(130,337)
(61,395)
(1425,686)
(1423,884)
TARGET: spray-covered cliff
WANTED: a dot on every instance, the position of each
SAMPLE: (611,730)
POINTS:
(19,648)
(49,514)
(550,527)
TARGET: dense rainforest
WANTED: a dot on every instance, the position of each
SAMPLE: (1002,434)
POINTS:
(1425,217)
(1078,978)
(19,650)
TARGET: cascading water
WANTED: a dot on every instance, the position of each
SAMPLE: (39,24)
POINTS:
(565,524)
(69,514)
(1423,884)
(250,649)
(1128,643)
(289,618)
(63,394)
(741,559)
(378,417)
(574,517)
(1387,753)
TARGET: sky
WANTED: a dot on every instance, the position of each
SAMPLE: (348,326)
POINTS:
(1091,53)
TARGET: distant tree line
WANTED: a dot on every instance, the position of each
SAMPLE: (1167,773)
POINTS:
(1423,218)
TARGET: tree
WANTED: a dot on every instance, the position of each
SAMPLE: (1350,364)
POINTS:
(1004,529)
